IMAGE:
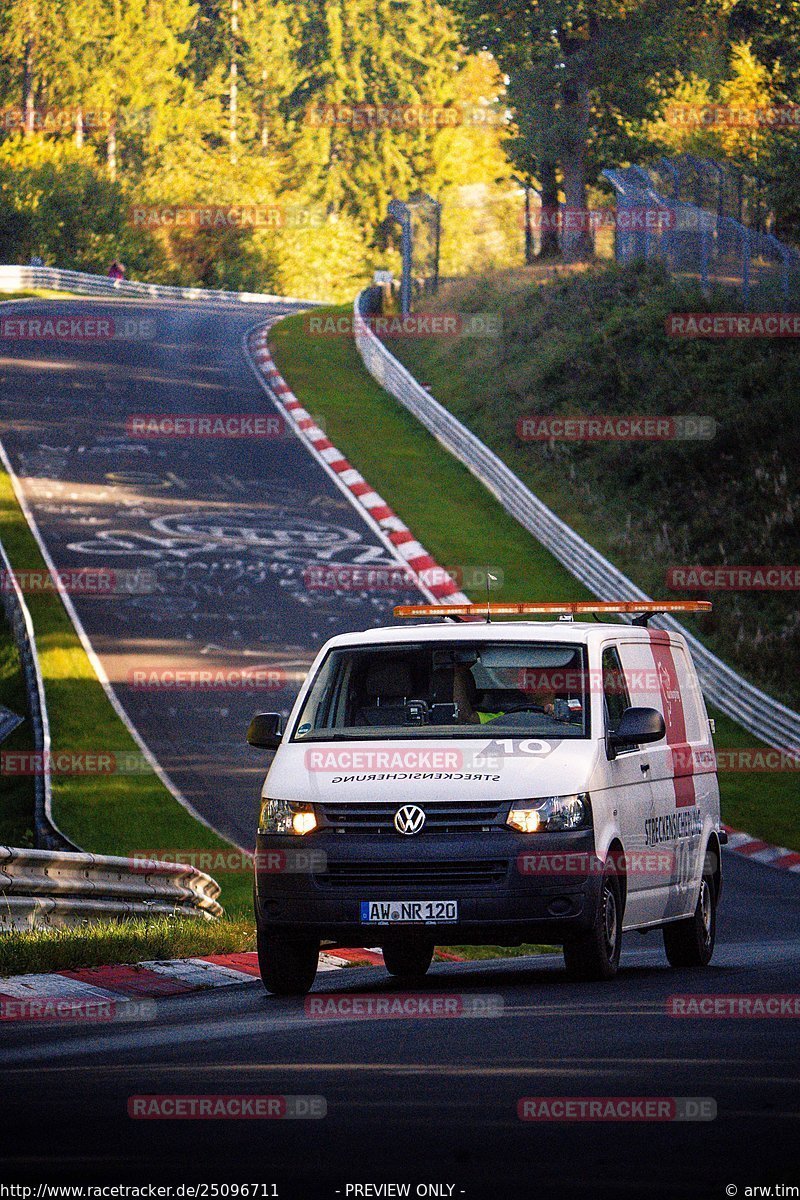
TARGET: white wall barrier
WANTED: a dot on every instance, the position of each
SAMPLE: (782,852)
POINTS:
(14,278)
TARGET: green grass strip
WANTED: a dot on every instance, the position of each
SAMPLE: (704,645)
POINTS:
(17,807)
(38,294)
(108,814)
(109,942)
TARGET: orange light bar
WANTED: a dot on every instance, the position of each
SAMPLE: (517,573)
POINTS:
(568,608)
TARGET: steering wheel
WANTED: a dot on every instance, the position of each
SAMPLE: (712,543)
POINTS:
(524,708)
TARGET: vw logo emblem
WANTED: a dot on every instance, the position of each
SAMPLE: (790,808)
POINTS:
(409,819)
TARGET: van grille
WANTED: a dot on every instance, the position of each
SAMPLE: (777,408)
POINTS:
(414,874)
(443,816)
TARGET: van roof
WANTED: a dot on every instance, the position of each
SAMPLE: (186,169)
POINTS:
(583,632)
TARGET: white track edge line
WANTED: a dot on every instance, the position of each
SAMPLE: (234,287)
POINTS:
(91,654)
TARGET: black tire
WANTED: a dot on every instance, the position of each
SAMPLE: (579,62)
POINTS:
(595,955)
(408,960)
(690,943)
(288,965)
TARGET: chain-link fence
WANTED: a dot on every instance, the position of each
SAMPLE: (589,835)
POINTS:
(708,223)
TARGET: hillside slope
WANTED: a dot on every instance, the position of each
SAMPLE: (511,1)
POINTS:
(595,343)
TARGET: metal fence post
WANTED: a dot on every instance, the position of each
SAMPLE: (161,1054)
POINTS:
(399,211)
(704,256)
(785,258)
(746,253)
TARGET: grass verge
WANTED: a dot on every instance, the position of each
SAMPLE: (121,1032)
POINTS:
(37,294)
(460,522)
(597,344)
(484,953)
(111,942)
(17,808)
(114,813)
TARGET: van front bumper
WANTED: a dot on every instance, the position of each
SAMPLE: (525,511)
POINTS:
(510,888)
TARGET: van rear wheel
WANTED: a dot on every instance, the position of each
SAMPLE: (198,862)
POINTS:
(595,955)
(690,943)
(408,960)
(288,965)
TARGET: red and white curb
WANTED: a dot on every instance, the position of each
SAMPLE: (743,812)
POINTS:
(99,991)
(761,852)
(432,579)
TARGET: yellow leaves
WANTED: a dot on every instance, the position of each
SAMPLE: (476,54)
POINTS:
(730,121)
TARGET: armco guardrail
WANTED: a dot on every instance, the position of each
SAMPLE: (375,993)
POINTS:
(46,831)
(43,888)
(15,278)
(757,712)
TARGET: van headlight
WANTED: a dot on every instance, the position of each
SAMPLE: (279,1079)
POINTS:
(551,813)
(286,816)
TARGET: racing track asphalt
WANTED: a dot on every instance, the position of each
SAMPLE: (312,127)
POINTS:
(214,537)
(435,1100)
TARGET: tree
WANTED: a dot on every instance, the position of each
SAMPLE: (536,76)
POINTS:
(26,40)
(398,55)
(581,72)
(270,41)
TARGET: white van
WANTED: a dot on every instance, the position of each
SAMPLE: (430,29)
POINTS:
(485,782)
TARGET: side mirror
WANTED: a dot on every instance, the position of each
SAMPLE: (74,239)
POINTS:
(265,731)
(636,726)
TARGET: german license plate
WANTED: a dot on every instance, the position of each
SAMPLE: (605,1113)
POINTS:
(408,912)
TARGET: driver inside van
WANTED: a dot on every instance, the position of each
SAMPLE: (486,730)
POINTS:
(465,697)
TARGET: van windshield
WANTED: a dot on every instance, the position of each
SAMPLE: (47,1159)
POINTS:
(449,690)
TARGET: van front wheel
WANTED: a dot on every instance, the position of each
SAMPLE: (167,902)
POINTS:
(288,966)
(690,943)
(595,955)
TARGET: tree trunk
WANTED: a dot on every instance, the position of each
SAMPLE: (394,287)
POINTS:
(233,111)
(264,126)
(576,236)
(111,147)
(548,243)
(29,113)
(577,242)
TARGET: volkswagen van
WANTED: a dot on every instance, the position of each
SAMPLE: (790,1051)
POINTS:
(468,781)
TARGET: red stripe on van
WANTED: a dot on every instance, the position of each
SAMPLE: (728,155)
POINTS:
(672,704)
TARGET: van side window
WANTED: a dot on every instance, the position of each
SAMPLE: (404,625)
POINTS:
(693,709)
(615,689)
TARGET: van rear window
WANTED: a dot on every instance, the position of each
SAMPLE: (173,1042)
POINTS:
(440,689)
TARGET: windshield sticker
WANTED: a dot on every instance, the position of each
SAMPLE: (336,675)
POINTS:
(508,748)
(409,776)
